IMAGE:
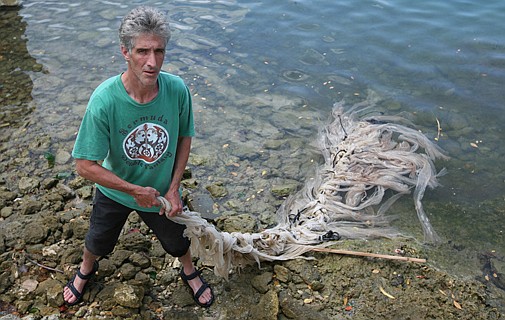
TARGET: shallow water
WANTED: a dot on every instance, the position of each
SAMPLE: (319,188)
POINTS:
(272,70)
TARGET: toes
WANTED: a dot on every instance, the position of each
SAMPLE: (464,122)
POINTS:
(206,297)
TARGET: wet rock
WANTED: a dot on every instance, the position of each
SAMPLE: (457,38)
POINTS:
(6,281)
(128,271)
(140,260)
(143,280)
(261,282)
(198,160)
(29,285)
(237,223)
(10,3)
(135,241)
(182,296)
(66,192)
(2,243)
(190,183)
(78,182)
(52,289)
(30,207)
(292,309)
(62,156)
(282,273)
(72,255)
(217,190)
(125,313)
(128,296)
(285,189)
(273,144)
(7,195)
(85,192)
(268,307)
(34,232)
(49,183)
(202,203)
(23,306)
(75,228)
(106,268)
(106,296)
(119,256)
(6,212)
(28,184)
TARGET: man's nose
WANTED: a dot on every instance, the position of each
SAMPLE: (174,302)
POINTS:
(151,59)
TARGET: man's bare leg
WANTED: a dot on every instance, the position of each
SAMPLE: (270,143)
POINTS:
(196,283)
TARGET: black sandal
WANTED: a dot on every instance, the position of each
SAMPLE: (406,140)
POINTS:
(70,284)
(185,278)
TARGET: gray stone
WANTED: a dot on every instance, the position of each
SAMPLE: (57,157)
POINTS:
(140,260)
(238,223)
(62,156)
(7,195)
(34,232)
(268,307)
(49,183)
(6,281)
(30,207)
(119,256)
(135,241)
(261,282)
(28,184)
(128,271)
(6,212)
(85,192)
(128,296)
(203,204)
(76,228)
(282,273)
(9,316)
(52,289)
(182,296)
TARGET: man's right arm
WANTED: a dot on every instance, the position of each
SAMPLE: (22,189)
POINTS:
(91,170)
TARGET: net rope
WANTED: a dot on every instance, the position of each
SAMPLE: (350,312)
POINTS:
(364,156)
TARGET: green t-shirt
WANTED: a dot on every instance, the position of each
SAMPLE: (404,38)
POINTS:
(136,141)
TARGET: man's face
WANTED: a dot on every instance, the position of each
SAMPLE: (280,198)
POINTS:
(146,58)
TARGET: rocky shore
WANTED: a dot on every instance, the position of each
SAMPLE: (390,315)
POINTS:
(43,224)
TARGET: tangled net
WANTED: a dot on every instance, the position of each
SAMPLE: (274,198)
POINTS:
(364,156)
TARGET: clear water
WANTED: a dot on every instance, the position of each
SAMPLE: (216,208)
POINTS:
(433,60)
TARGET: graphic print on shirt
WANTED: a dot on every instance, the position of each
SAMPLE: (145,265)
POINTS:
(147,142)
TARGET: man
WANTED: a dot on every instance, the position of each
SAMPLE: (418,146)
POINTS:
(140,123)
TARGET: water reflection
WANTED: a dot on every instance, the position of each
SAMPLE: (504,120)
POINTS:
(15,65)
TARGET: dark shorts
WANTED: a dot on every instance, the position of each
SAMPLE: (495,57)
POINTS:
(108,218)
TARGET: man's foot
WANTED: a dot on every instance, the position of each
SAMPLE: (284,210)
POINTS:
(74,290)
(202,292)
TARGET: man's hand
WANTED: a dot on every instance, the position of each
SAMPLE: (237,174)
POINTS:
(146,197)
(175,201)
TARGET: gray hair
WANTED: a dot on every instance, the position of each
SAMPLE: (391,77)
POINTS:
(142,20)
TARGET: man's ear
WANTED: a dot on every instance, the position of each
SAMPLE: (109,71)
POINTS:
(125,53)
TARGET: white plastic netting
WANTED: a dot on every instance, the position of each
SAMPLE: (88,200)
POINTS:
(364,156)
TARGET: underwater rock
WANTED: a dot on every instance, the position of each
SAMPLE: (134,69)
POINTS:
(217,190)
(10,3)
